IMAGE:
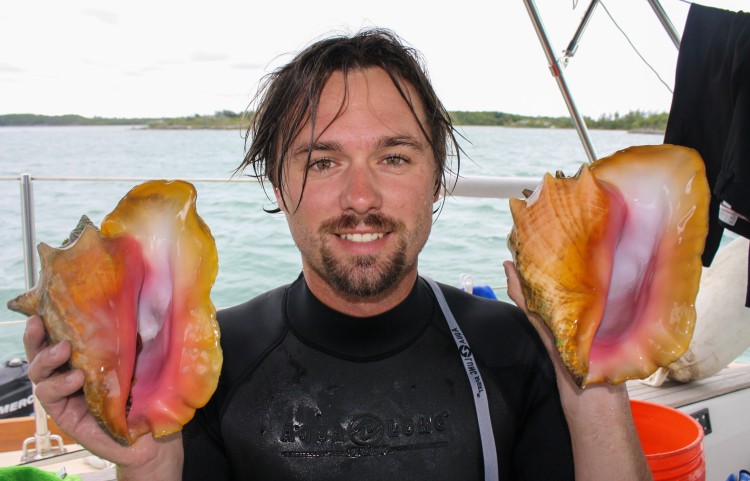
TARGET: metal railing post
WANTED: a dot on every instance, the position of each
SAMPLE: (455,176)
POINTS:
(573,45)
(27,227)
(666,22)
(556,70)
(42,440)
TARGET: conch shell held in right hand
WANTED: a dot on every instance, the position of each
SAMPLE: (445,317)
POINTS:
(610,259)
(133,299)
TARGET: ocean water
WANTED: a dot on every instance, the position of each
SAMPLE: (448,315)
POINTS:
(256,252)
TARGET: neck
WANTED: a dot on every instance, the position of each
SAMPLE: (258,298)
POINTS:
(358,306)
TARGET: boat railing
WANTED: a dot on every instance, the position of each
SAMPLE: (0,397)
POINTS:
(456,186)
(44,444)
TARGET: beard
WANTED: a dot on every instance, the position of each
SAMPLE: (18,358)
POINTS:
(364,275)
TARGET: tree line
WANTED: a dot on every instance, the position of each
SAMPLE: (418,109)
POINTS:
(21,120)
(633,120)
(226,119)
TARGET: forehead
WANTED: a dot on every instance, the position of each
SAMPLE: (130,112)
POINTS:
(368,96)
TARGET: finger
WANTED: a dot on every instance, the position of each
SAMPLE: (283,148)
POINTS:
(59,386)
(516,295)
(34,337)
(564,380)
(48,360)
(514,285)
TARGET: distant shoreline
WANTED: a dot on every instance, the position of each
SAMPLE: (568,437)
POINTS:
(635,121)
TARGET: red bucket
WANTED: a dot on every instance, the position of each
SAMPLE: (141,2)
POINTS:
(671,440)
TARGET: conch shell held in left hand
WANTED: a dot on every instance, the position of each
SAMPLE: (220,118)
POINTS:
(133,301)
(610,260)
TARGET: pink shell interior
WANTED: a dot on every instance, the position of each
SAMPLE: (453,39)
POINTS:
(647,318)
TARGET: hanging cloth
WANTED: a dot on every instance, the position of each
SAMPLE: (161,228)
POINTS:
(711,113)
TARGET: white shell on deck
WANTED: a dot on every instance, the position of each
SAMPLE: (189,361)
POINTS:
(722,327)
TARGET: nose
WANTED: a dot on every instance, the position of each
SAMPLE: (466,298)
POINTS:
(361,191)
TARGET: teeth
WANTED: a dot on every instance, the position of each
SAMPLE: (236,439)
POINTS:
(362,237)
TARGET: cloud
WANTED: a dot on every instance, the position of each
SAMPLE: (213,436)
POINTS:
(6,67)
(110,18)
(207,57)
(247,66)
(161,65)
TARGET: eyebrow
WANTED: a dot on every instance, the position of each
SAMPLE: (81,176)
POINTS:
(401,141)
(382,142)
(312,147)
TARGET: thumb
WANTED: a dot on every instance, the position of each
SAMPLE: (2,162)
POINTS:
(514,286)
(516,294)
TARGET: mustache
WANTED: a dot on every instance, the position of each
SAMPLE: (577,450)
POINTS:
(375,220)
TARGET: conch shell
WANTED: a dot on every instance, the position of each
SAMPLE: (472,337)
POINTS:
(133,300)
(610,260)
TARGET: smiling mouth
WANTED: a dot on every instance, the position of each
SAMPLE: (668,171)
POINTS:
(369,237)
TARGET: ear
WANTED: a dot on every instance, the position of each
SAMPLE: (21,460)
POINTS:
(439,187)
(279,198)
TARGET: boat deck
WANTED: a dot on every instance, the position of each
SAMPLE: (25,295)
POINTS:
(76,460)
(720,404)
(734,378)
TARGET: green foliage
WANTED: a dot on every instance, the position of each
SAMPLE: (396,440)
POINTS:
(502,119)
(634,120)
(227,113)
(226,119)
(33,119)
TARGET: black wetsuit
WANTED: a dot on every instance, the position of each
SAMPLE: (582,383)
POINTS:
(307,393)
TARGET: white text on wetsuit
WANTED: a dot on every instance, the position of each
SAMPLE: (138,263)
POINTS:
(469,364)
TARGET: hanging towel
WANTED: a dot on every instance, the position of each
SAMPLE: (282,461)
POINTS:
(711,113)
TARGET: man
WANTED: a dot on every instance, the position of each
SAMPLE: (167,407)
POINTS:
(358,369)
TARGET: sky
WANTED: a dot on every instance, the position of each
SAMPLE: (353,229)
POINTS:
(157,58)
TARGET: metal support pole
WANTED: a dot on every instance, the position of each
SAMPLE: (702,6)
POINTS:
(556,70)
(665,22)
(573,45)
(29,237)
(42,441)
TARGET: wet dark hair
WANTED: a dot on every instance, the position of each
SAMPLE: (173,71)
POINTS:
(289,97)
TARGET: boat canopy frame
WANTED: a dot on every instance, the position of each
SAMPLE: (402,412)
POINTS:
(557,64)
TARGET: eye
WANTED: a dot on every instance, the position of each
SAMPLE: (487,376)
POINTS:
(395,159)
(321,164)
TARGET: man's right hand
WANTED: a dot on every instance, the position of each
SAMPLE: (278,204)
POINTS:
(59,389)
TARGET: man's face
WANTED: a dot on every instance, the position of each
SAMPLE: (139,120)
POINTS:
(366,209)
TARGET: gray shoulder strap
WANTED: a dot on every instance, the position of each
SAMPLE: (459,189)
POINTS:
(475,379)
